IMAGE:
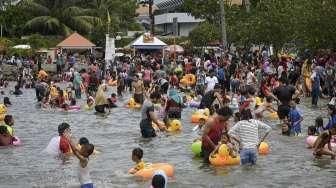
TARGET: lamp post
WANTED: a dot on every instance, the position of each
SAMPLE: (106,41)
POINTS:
(223,25)
(151,13)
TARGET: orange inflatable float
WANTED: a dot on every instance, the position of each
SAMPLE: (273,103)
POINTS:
(190,79)
(218,160)
(149,170)
(132,104)
(200,114)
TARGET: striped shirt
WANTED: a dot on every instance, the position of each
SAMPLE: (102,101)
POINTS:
(248,132)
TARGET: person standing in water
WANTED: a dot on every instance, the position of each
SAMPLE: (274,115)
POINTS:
(138,88)
(284,94)
(148,117)
(101,99)
(246,133)
(83,155)
(213,130)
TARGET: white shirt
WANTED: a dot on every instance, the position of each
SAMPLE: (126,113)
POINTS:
(211,82)
(248,132)
(53,146)
(84,174)
(249,78)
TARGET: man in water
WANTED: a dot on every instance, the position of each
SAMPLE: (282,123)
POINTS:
(284,93)
(138,88)
(213,130)
(246,133)
(209,97)
(59,144)
(148,117)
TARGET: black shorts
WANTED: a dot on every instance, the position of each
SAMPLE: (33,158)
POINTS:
(147,131)
(147,83)
(100,108)
(283,111)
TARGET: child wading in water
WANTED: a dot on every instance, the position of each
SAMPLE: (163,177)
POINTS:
(83,156)
(295,118)
(322,140)
(137,154)
(227,141)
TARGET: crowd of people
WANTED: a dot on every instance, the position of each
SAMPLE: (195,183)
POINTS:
(246,86)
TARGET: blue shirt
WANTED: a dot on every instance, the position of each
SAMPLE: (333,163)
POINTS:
(331,123)
(294,116)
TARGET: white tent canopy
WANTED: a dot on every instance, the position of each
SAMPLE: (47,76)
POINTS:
(139,43)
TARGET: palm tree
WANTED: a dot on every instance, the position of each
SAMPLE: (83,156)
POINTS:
(59,17)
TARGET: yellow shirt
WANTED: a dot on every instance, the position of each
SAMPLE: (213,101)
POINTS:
(140,166)
(10,130)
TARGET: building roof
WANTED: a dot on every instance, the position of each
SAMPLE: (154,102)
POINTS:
(168,4)
(140,43)
(76,41)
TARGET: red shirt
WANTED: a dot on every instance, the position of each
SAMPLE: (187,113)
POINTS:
(215,135)
(64,145)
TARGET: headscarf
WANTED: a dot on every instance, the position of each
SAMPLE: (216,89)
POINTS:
(101,98)
(163,174)
(173,94)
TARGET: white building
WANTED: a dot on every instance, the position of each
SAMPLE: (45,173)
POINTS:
(164,18)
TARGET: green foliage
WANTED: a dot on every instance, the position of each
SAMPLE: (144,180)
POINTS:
(308,24)
(203,34)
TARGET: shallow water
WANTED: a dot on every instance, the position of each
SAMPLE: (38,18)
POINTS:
(289,164)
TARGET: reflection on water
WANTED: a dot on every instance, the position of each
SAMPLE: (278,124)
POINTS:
(289,164)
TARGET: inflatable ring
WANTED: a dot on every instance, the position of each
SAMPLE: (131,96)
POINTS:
(310,140)
(273,116)
(74,107)
(149,170)
(112,82)
(174,126)
(17,141)
(132,104)
(217,160)
(191,79)
(184,82)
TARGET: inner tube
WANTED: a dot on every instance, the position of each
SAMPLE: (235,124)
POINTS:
(218,160)
(17,141)
(149,170)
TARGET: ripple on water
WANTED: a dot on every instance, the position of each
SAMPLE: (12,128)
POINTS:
(289,164)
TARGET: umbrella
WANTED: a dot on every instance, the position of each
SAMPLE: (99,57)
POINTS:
(176,48)
(22,46)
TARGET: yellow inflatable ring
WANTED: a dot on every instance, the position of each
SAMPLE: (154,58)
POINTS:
(132,104)
(174,126)
(217,160)
(149,170)
(191,79)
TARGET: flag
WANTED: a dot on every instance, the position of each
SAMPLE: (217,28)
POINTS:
(108,17)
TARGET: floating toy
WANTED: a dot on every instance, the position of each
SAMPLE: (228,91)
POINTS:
(196,148)
(149,170)
(263,148)
(174,126)
(132,104)
(218,160)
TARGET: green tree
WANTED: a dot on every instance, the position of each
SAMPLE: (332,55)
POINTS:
(203,34)
(58,17)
